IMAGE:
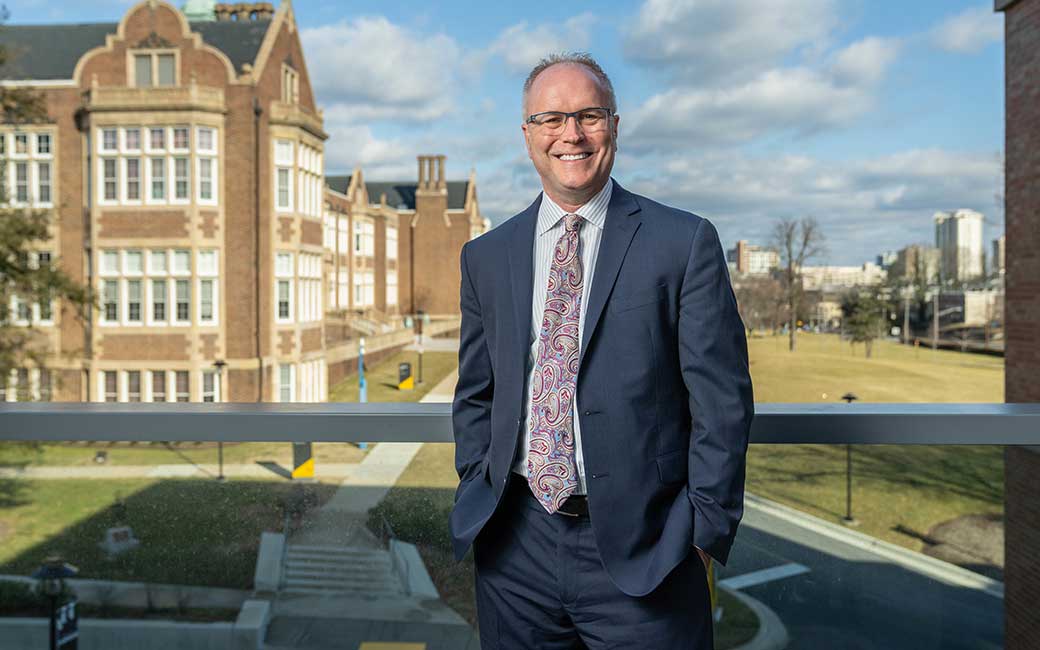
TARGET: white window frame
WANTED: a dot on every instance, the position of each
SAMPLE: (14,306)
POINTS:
(174,199)
(38,183)
(123,138)
(103,319)
(214,194)
(151,295)
(164,179)
(102,180)
(213,394)
(176,319)
(208,272)
(124,193)
(173,148)
(285,271)
(283,155)
(291,383)
(391,236)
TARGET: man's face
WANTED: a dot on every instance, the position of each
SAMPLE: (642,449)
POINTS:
(574,164)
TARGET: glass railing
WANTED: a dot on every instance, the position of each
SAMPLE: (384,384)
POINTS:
(865,526)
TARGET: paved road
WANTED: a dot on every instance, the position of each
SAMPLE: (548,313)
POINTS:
(853,599)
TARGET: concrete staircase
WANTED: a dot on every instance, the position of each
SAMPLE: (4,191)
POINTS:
(341,571)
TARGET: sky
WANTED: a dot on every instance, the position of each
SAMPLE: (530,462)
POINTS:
(868,115)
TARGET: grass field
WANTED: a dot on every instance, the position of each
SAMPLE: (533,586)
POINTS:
(899,491)
(192,532)
(381,379)
(121,453)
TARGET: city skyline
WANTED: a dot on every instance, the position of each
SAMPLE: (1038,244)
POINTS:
(820,108)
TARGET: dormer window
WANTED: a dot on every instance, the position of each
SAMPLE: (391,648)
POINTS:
(155,69)
(290,85)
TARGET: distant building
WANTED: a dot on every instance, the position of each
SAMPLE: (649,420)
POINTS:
(997,267)
(887,259)
(915,260)
(829,278)
(751,259)
(430,219)
(958,236)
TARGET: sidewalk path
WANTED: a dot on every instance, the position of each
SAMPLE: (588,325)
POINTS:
(341,521)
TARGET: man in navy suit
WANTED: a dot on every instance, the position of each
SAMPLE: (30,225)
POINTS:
(604,402)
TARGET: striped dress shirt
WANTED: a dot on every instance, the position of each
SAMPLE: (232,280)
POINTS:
(547,233)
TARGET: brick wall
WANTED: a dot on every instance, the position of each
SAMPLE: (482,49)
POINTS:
(1022,466)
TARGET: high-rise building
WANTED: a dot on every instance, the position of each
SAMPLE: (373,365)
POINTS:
(755,260)
(997,266)
(916,263)
(958,236)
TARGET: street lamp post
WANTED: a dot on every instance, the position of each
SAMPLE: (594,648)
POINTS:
(419,323)
(51,575)
(219,364)
(849,520)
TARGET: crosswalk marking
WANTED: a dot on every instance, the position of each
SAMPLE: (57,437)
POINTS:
(764,575)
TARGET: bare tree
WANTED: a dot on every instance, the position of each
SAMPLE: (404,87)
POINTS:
(756,300)
(798,240)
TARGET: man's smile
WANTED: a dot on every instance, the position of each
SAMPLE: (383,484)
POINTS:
(573,156)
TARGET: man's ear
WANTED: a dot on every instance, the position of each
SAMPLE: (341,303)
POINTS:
(527,142)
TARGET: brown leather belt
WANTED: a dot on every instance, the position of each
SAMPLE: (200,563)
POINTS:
(576,505)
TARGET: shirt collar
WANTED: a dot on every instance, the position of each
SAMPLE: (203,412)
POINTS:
(594,212)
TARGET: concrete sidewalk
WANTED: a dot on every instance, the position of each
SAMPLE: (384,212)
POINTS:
(341,521)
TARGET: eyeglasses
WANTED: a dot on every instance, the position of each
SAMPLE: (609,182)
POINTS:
(593,119)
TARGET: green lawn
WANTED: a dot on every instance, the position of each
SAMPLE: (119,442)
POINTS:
(899,491)
(381,379)
(126,453)
(192,532)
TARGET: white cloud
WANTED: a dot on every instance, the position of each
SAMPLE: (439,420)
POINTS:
(522,45)
(370,69)
(351,145)
(711,40)
(969,31)
(864,206)
(798,100)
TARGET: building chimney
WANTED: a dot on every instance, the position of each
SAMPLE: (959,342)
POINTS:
(441,183)
(243,11)
(422,173)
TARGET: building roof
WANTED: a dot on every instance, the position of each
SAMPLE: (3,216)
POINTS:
(52,51)
(399,194)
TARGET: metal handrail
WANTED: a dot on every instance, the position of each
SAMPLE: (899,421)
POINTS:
(870,423)
(403,573)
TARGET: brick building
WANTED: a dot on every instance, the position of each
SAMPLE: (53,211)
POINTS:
(183,162)
(433,217)
(1022,324)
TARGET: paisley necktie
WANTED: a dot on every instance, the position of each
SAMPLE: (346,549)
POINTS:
(552,471)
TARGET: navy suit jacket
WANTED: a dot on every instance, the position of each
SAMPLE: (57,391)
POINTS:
(663,387)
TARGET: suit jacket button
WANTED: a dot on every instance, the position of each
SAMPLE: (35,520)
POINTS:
(588,412)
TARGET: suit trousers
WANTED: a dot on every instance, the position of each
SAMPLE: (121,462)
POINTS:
(541,585)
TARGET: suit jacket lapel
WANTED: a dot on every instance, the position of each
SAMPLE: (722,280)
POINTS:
(620,226)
